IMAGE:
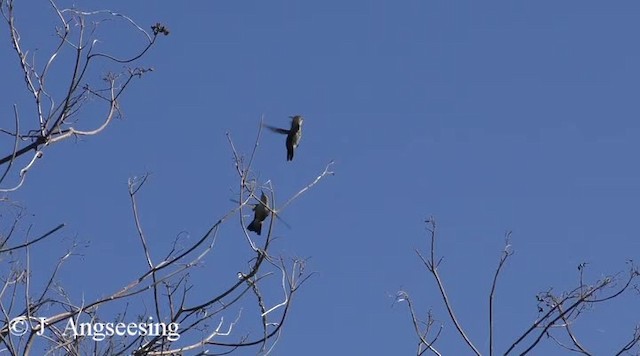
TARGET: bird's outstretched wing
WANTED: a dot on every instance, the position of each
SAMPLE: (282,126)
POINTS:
(277,130)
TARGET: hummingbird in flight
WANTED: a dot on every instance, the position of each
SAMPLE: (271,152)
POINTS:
(261,212)
(294,134)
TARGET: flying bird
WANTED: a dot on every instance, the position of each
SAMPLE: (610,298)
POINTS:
(293,135)
(261,211)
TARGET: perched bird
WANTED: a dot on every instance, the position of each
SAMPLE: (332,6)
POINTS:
(293,135)
(261,211)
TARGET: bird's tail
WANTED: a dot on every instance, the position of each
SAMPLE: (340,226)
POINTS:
(255,226)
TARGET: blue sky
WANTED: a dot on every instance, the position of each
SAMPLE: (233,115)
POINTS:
(517,116)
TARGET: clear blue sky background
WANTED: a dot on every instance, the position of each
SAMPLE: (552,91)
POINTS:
(498,116)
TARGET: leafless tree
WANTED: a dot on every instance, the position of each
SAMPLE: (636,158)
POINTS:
(58,116)
(557,311)
(246,308)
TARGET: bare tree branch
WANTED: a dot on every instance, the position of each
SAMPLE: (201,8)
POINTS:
(506,253)
(432,266)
